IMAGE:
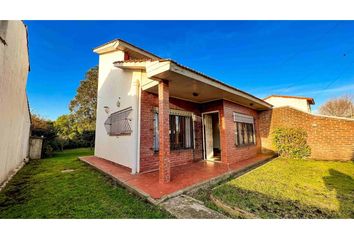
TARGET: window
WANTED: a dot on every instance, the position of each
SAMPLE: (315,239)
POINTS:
(244,130)
(156,131)
(117,124)
(181,132)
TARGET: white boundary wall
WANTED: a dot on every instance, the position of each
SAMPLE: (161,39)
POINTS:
(14,112)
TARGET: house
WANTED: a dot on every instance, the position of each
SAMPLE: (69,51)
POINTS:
(154,113)
(300,103)
(15,117)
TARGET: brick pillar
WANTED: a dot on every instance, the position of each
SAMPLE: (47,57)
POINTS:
(164,136)
(223,135)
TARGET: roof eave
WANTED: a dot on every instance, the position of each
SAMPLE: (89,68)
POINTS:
(118,44)
(230,88)
(170,65)
(156,67)
(308,99)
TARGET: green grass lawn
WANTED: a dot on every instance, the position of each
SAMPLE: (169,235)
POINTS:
(42,190)
(285,188)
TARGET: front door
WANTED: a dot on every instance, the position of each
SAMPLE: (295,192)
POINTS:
(208,130)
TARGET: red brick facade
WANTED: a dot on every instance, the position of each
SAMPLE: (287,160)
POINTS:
(148,158)
(235,153)
(329,138)
(230,153)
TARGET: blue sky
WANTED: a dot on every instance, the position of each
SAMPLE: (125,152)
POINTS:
(302,58)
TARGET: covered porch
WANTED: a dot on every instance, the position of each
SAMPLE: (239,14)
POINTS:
(183,178)
(168,80)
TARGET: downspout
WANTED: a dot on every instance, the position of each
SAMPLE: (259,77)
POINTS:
(136,163)
(139,123)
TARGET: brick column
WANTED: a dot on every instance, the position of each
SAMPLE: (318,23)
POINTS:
(164,136)
(223,135)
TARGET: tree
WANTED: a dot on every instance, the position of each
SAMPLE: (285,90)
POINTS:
(83,106)
(38,122)
(340,107)
(66,129)
(44,128)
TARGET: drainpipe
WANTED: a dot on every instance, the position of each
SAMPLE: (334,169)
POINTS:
(139,121)
(136,163)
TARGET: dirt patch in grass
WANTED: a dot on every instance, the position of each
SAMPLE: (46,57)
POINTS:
(265,206)
(287,188)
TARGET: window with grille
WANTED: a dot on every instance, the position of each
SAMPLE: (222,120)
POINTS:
(118,123)
(244,130)
(181,131)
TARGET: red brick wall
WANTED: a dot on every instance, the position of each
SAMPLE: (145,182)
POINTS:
(230,153)
(234,153)
(329,138)
(149,160)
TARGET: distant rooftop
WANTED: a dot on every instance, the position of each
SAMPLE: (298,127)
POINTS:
(309,100)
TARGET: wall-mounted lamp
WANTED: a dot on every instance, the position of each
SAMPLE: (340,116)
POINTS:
(106,109)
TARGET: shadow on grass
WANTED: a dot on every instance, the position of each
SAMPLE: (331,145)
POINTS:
(266,206)
(343,184)
(18,190)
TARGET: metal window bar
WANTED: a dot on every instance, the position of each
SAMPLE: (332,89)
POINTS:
(118,123)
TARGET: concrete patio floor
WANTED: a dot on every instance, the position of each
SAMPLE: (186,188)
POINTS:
(183,178)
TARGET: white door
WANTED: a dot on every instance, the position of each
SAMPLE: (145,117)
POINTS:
(208,125)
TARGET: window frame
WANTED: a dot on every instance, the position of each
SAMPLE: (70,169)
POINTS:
(245,130)
(181,137)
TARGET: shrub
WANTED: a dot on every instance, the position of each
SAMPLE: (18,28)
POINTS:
(47,150)
(291,142)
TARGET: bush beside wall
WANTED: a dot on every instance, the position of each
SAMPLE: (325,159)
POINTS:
(291,142)
(329,138)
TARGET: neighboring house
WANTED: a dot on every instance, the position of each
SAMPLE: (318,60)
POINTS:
(14,110)
(154,113)
(301,103)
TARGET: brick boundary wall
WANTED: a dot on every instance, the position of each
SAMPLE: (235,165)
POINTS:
(330,138)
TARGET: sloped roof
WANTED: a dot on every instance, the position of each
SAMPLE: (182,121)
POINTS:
(129,45)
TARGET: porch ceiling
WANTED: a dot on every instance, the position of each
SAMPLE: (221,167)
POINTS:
(191,86)
(187,84)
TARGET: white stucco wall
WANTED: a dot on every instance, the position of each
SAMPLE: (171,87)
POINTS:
(14,113)
(300,104)
(115,84)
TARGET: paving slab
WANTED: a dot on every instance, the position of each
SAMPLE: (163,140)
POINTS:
(186,207)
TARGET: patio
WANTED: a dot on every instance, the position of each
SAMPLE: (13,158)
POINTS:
(183,178)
